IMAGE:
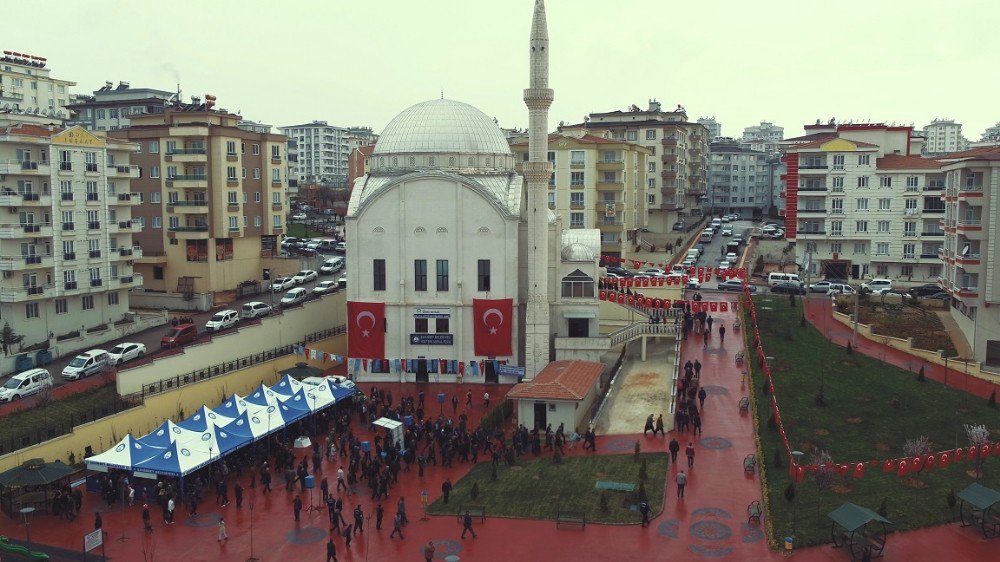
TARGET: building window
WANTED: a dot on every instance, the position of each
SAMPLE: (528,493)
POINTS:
(256,221)
(882,249)
(883,226)
(884,181)
(884,204)
(31,310)
(864,160)
(838,161)
(275,151)
(860,248)
(651,134)
(577,157)
(576,179)
(652,167)
(442,275)
(836,247)
(154,171)
(157,222)
(837,206)
(378,275)
(61,306)
(577,284)
(276,221)
(838,183)
(256,149)
(861,204)
(256,173)
(112,298)
(243,173)
(552,199)
(419,275)
(483,275)
(576,220)
(231,173)
(231,197)
(154,147)
(651,199)
(88,302)
(861,226)
(420,325)
(234,224)
(230,148)
(576,200)
(632,136)
(276,175)
(934,271)
(256,197)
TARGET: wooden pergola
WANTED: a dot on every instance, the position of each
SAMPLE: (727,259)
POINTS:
(859,529)
(977,508)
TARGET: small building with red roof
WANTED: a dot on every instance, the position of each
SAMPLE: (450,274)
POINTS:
(562,393)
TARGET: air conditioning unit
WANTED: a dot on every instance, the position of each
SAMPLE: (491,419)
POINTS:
(12,210)
(129,262)
(7,274)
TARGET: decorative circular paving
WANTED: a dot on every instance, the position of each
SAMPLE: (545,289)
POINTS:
(710,531)
(444,548)
(306,535)
(710,551)
(713,390)
(716,443)
(751,533)
(202,520)
(619,445)
(668,528)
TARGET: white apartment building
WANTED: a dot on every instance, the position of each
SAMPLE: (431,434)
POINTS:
(944,136)
(110,107)
(863,207)
(27,87)
(762,138)
(737,179)
(66,249)
(596,183)
(972,236)
(323,152)
(713,126)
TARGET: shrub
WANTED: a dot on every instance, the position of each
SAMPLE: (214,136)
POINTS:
(758,265)
(951,499)
(790,492)
(883,508)
(604,502)
(921,377)
(779,459)
(474,492)
(992,402)
(772,423)
(642,471)
(820,398)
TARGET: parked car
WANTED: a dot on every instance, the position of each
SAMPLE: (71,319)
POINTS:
(25,384)
(689,262)
(300,217)
(339,380)
(732,258)
(341,248)
(925,290)
(179,335)
(290,242)
(679,225)
(877,286)
(942,296)
(324,287)
(821,286)
(652,271)
(304,276)
(840,289)
(87,363)
(724,219)
(294,296)
(693,284)
(222,320)
(618,270)
(125,352)
(787,288)
(727,230)
(342,282)
(255,310)
(282,284)
(774,234)
(734,285)
(331,266)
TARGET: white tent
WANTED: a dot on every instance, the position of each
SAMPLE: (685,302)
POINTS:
(395,428)
(124,455)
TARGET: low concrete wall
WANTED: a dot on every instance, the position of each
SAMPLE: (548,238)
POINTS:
(90,340)
(290,327)
(103,433)
(201,302)
(864,330)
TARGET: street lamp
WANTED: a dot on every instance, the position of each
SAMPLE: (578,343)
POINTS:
(253,496)
(797,455)
(26,514)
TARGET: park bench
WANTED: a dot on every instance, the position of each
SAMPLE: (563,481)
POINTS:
(474,511)
(989,523)
(750,463)
(739,358)
(863,544)
(614,486)
(745,404)
(754,511)
(571,518)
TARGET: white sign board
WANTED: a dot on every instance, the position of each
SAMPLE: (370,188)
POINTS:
(93,540)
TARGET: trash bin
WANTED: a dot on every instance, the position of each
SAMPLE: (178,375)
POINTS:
(23,362)
(366,447)
(43,357)
(789,541)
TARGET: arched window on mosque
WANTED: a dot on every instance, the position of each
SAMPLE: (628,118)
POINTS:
(577,284)
(451,161)
(472,162)
(431,161)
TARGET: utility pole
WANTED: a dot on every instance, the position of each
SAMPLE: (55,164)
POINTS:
(856,322)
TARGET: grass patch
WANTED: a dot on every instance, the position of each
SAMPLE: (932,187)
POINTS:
(871,409)
(300,230)
(43,422)
(907,321)
(538,488)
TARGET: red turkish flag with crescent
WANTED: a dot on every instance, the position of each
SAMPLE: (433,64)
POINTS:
(366,330)
(493,320)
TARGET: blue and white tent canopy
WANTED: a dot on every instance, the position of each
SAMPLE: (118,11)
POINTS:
(177,460)
(204,419)
(294,407)
(228,441)
(232,407)
(163,436)
(254,425)
(262,396)
(124,455)
(341,392)
(287,386)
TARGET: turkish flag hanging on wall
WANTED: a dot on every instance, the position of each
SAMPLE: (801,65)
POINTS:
(493,320)
(366,330)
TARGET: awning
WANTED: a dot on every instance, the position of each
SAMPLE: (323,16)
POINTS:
(852,517)
(579,314)
(979,496)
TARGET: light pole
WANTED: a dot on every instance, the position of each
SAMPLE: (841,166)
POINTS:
(797,455)
(253,496)
(26,514)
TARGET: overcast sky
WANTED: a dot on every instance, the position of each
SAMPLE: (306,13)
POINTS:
(360,62)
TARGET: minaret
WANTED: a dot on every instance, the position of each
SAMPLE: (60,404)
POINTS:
(538,98)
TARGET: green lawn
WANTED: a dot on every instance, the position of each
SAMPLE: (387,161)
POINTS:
(300,230)
(872,409)
(538,488)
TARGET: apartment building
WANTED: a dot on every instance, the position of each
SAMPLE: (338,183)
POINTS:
(323,152)
(596,183)
(66,244)
(863,204)
(944,136)
(357,163)
(971,223)
(110,107)
(678,157)
(27,87)
(211,198)
(713,126)
(737,179)
(763,138)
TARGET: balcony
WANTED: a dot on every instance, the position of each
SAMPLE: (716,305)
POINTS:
(123,199)
(932,233)
(610,186)
(96,282)
(129,226)
(965,292)
(814,188)
(610,226)
(93,225)
(668,175)
(196,232)
(188,207)
(971,228)
(24,168)
(934,187)
(970,190)
(18,263)
(812,211)
(811,232)
(21,294)
(812,167)
(610,165)
(188,154)
(93,198)
(27,230)
(188,181)
(126,281)
(65,167)
(126,253)
(933,210)
(94,254)
(968,259)
(11,198)
(70,286)
(669,141)
(669,159)
(123,171)
(694,191)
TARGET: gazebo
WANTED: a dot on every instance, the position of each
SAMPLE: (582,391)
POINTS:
(980,501)
(28,485)
(851,529)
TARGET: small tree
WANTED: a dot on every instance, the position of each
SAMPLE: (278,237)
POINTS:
(779,459)
(978,436)
(826,472)
(474,492)
(493,473)
(921,377)
(772,423)
(802,321)
(850,348)
(605,507)
(758,265)
(642,471)
(883,508)
(992,402)
(790,492)
(951,499)
(641,492)
(820,398)
(637,449)
(917,447)
(9,338)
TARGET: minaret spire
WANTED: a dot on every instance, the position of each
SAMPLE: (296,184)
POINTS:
(538,97)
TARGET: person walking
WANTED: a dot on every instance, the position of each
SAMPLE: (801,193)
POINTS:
(340,478)
(468,400)
(674,447)
(644,510)
(147,525)
(682,481)
(705,336)
(649,426)
(701,398)
(401,510)
(659,426)
(348,534)
(331,551)
(454,404)
(170,511)
(486,400)
(99,523)
(722,335)
(397,527)
(467,525)
(689,451)
(379,513)
(324,487)
(223,536)
(697,367)
(359,519)
(265,480)
(446,489)
(709,321)
(297,507)
(238,494)
(429,551)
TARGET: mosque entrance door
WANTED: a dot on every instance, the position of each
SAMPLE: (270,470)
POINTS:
(422,370)
(491,374)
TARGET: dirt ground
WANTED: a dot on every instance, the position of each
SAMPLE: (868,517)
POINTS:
(923,325)
(642,388)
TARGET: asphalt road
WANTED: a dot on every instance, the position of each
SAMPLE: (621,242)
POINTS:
(713,254)
(151,337)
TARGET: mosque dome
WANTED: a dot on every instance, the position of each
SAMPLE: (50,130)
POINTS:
(442,126)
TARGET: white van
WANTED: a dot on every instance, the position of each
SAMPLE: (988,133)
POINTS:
(255,310)
(25,384)
(325,245)
(776,277)
(706,236)
(86,364)
(694,253)
(331,266)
